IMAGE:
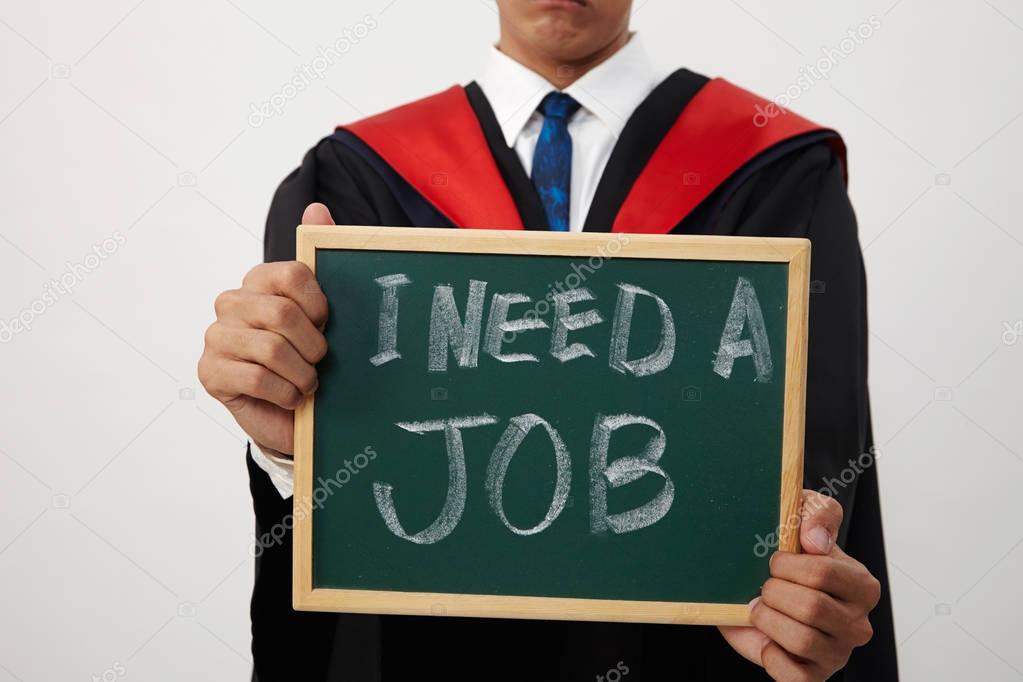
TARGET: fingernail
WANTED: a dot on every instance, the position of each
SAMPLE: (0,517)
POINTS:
(753,603)
(820,538)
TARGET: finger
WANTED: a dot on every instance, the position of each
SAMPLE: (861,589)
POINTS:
(821,519)
(747,641)
(273,313)
(268,349)
(271,427)
(293,280)
(317,214)
(229,378)
(840,577)
(783,667)
(796,638)
(811,607)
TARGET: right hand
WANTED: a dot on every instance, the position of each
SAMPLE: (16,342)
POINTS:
(260,354)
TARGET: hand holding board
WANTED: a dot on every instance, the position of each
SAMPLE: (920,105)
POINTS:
(543,425)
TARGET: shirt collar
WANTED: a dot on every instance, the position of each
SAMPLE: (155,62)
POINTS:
(611,91)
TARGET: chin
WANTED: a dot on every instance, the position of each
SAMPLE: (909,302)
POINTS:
(566,30)
(562,38)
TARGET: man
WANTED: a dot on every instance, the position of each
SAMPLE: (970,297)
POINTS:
(569,129)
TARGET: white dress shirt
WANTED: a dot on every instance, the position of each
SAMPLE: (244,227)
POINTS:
(608,95)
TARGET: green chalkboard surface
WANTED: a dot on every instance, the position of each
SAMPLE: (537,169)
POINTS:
(601,427)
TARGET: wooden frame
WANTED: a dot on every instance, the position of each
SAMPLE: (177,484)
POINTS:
(794,252)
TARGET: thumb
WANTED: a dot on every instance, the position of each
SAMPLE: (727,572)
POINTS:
(316,214)
(821,519)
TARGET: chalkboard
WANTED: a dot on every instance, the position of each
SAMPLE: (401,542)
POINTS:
(560,426)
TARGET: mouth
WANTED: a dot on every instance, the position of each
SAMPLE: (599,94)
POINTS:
(563,4)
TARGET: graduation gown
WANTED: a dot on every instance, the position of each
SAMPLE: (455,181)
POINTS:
(695,158)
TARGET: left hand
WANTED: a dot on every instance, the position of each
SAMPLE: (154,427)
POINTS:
(813,610)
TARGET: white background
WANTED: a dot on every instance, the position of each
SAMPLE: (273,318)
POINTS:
(125,512)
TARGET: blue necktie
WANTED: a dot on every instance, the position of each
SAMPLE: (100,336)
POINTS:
(552,159)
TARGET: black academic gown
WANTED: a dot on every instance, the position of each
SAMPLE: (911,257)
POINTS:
(798,192)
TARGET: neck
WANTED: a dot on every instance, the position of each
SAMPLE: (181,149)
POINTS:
(561,73)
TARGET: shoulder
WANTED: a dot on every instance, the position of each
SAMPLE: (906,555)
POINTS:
(438,104)
(342,153)
(723,97)
(786,144)
(329,162)
(724,131)
(335,153)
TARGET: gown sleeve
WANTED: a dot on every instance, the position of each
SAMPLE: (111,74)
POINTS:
(288,644)
(841,457)
(805,196)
